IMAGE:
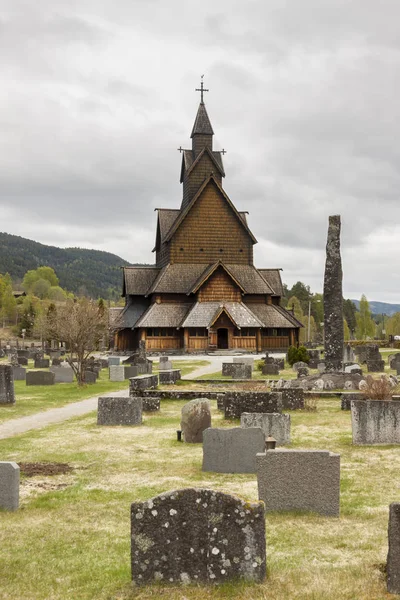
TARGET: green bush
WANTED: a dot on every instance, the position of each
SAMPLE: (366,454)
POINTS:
(297,354)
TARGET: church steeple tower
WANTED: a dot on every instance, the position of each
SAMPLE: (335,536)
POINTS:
(201,161)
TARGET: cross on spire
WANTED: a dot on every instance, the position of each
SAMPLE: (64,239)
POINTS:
(201,89)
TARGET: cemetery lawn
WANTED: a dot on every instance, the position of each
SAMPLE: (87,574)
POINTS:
(71,536)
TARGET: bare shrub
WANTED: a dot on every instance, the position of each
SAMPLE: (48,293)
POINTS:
(310,404)
(379,389)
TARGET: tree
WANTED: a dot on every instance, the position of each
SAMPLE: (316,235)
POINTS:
(365,325)
(346,331)
(41,288)
(302,293)
(349,312)
(41,273)
(81,325)
(392,325)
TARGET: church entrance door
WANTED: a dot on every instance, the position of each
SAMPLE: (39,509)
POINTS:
(222,340)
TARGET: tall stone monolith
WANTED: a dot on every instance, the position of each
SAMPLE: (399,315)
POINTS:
(333,298)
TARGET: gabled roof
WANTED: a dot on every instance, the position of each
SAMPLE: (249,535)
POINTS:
(185,211)
(207,274)
(164,315)
(249,279)
(189,161)
(137,280)
(273,316)
(131,313)
(273,278)
(165,220)
(177,278)
(204,314)
(202,123)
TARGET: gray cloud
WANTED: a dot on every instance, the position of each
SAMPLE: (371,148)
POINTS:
(98,95)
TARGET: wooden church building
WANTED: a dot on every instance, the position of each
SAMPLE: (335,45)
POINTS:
(204,292)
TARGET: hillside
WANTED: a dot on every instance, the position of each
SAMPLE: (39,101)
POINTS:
(380,308)
(92,272)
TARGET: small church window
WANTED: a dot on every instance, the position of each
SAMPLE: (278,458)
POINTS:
(241,250)
(201,249)
(221,250)
(181,249)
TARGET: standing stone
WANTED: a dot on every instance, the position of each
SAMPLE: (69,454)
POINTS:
(117,373)
(113,360)
(227,369)
(9,485)
(270,369)
(169,377)
(195,418)
(119,411)
(197,536)
(165,365)
(333,298)
(306,480)
(7,384)
(393,557)
(40,378)
(241,371)
(42,363)
(90,377)
(232,450)
(244,360)
(150,403)
(19,373)
(272,424)
(62,374)
(130,371)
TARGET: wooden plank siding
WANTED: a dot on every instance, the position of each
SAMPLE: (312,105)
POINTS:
(202,236)
(162,344)
(197,344)
(274,342)
(219,287)
(245,343)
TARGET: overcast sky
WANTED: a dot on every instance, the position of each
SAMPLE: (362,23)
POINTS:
(97,95)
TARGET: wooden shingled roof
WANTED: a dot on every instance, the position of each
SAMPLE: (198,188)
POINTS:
(275,316)
(273,278)
(137,280)
(186,210)
(164,315)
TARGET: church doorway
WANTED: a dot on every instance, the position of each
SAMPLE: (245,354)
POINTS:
(222,339)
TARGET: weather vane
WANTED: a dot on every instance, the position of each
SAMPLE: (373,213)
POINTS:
(201,89)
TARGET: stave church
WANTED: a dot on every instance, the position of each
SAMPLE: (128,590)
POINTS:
(204,292)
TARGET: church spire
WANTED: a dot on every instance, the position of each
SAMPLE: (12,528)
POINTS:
(202,131)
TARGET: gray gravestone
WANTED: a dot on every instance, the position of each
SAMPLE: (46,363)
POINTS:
(299,365)
(197,536)
(238,402)
(270,369)
(9,485)
(42,363)
(302,372)
(142,382)
(195,418)
(393,557)
(19,373)
(375,422)
(40,378)
(241,371)
(150,403)
(113,360)
(232,450)
(131,371)
(169,377)
(166,365)
(306,480)
(62,374)
(90,377)
(345,400)
(119,411)
(23,361)
(227,369)
(7,395)
(292,399)
(333,298)
(117,373)
(272,424)
(375,366)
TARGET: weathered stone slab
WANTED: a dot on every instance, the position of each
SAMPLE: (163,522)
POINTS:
(393,557)
(249,360)
(195,418)
(40,378)
(197,536)
(23,361)
(62,374)
(9,485)
(241,371)
(113,361)
(272,424)
(375,422)
(227,369)
(306,480)
(142,382)
(164,359)
(302,372)
(169,377)
(150,403)
(292,399)
(270,369)
(236,403)
(23,353)
(19,373)
(90,377)
(299,365)
(117,372)
(119,411)
(7,395)
(232,450)
(333,298)
(42,363)
(131,371)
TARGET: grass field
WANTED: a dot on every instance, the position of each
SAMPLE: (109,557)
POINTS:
(71,536)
